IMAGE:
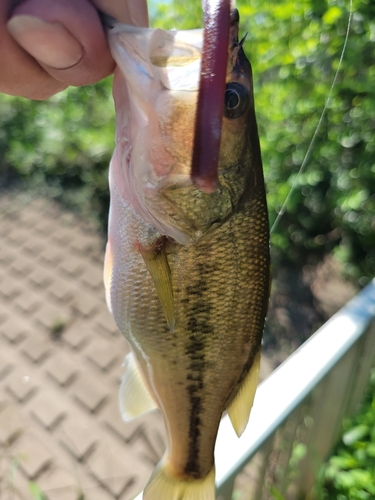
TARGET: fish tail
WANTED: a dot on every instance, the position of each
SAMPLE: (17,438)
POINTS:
(165,486)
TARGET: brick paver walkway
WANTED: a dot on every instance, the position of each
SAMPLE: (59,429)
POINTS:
(60,366)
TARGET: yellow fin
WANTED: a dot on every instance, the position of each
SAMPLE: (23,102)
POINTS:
(134,397)
(157,265)
(240,407)
(164,486)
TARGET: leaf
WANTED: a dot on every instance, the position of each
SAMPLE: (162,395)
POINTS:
(355,434)
(331,15)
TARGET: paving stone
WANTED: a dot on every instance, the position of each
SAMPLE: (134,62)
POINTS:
(33,247)
(17,237)
(6,366)
(9,288)
(77,335)
(11,425)
(61,290)
(4,400)
(97,493)
(83,244)
(5,228)
(126,431)
(36,348)
(14,329)
(92,278)
(101,354)
(47,409)
(52,317)
(29,218)
(6,256)
(68,219)
(97,256)
(91,395)
(105,324)
(112,470)
(4,312)
(27,302)
(136,487)
(118,370)
(40,278)
(45,227)
(72,267)
(51,256)
(61,369)
(77,438)
(58,484)
(33,455)
(21,267)
(63,236)
(85,304)
(21,386)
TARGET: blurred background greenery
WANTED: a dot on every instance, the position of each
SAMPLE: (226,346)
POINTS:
(62,147)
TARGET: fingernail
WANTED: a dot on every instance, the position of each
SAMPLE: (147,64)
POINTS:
(50,43)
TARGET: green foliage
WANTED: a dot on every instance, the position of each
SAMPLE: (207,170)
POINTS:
(294,47)
(63,145)
(350,473)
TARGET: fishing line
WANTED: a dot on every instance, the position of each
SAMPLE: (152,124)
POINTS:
(318,127)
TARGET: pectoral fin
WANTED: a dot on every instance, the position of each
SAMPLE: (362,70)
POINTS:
(157,265)
(134,397)
(240,407)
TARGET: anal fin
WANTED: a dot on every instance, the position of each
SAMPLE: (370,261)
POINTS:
(158,267)
(239,409)
(134,397)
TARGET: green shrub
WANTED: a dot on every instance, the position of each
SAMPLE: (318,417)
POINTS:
(350,472)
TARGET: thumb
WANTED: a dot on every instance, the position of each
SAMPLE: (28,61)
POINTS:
(65,37)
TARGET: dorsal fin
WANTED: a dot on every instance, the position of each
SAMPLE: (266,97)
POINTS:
(239,409)
(158,267)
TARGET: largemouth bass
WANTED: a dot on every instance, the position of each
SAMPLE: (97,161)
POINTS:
(186,272)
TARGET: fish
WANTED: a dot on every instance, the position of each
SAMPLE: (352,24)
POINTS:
(186,272)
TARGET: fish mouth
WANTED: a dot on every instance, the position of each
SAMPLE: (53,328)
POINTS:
(208,122)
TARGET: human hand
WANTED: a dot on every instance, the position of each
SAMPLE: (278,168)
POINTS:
(46,46)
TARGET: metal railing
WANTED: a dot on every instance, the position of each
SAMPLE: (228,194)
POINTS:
(298,410)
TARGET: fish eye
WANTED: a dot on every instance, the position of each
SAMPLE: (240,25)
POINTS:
(236,99)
